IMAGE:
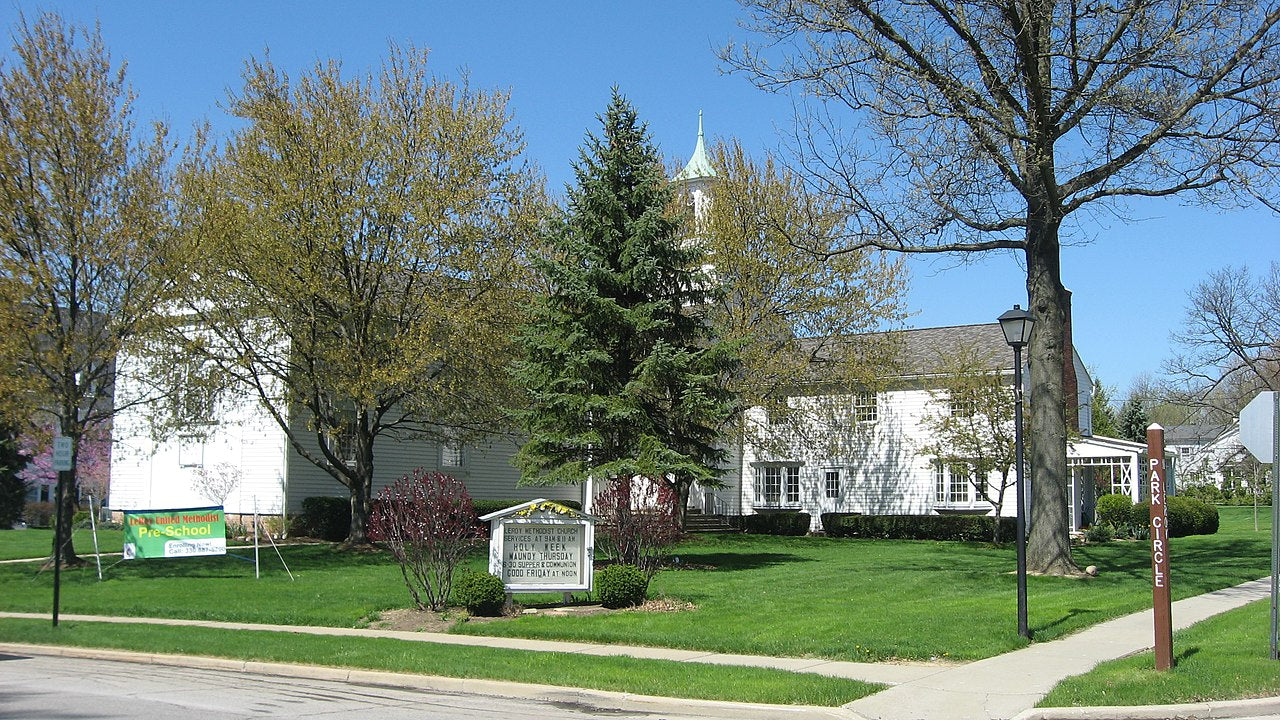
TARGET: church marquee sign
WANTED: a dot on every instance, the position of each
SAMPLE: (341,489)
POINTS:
(541,546)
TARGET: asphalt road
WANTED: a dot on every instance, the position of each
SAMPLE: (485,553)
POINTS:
(38,687)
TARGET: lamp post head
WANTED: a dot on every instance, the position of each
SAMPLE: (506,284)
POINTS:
(1017,325)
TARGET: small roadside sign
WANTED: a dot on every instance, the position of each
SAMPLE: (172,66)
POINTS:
(1257,426)
(61,454)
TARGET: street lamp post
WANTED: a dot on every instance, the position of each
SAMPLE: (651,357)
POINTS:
(1017,325)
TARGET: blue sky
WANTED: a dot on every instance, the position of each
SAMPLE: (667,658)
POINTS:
(559,61)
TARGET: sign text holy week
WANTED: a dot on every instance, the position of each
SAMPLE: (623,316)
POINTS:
(185,532)
(541,546)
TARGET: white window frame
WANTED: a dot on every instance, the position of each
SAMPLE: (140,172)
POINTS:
(832,483)
(191,451)
(451,452)
(865,408)
(954,486)
(777,485)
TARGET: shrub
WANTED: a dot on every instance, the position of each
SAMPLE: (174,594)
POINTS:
(38,514)
(639,522)
(968,528)
(480,593)
(1187,516)
(1113,510)
(777,523)
(427,522)
(326,518)
(1205,492)
(1100,534)
(621,586)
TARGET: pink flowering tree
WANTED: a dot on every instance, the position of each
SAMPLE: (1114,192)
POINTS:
(93,459)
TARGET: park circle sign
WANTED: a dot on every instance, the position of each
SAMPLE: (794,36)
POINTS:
(541,546)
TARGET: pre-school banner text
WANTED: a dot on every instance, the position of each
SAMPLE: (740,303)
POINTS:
(174,533)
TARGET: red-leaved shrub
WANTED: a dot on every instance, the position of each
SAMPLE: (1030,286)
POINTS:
(427,522)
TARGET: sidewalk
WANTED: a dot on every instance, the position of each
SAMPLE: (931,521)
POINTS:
(1007,685)
(998,688)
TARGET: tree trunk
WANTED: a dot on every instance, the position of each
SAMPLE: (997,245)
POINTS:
(63,549)
(1048,542)
(360,505)
(682,497)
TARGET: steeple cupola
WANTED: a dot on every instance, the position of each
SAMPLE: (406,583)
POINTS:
(698,175)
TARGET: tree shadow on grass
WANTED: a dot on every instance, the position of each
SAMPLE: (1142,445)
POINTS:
(730,562)
(1198,564)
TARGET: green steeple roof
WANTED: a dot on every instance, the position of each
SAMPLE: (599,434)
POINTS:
(699,165)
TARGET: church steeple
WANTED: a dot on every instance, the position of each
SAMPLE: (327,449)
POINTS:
(699,166)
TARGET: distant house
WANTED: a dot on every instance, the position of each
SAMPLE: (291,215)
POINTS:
(1209,454)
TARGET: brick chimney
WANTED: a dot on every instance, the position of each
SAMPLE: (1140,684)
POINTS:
(1070,383)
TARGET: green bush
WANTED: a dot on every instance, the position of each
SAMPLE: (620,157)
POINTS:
(1114,510)
(326,518)
(1099,534)
(968,528)
(480,593)
(621,586)
(1187,516)
(777,523)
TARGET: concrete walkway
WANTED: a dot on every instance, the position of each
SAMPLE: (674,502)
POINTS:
(1002,687)
(1007,685)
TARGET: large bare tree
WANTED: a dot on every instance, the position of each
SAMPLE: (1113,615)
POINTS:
(84,227)
(988,125)
(1229,346)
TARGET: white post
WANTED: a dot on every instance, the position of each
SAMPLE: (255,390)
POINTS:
(256,568)
(93,526)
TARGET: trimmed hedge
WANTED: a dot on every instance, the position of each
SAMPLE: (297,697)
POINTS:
(969,528)
(38,514)
(1187,516)
(777,523)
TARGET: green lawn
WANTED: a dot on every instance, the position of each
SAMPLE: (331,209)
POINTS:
(621,674)
(874,600)
(1223,658)
(836,598)
(38,542)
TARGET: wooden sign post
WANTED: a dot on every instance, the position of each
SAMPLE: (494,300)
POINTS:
(1159,549)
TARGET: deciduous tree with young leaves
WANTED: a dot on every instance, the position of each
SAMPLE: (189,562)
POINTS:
(357,258)
(970,424)
(805,325)
(84,236)
(974,126)
(624,376)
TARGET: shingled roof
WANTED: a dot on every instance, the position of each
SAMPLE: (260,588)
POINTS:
(925,351)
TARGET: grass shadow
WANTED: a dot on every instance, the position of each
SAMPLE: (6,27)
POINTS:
(732,562)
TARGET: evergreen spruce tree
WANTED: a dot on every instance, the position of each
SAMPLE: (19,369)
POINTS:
(624,376)
(1133,421)
(13,491)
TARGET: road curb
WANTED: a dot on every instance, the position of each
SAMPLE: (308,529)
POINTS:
(1258,707)
(603,699)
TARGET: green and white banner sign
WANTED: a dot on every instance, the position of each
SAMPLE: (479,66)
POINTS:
(185,532)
